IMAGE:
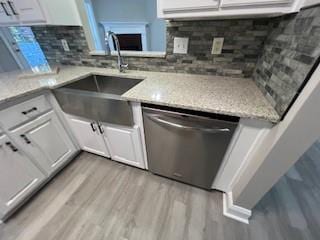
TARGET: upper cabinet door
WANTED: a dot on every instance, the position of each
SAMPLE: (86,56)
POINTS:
(181,8)
(18,175)
(46,140)
(253,3)
(6,15)
(27,10)
(188,5)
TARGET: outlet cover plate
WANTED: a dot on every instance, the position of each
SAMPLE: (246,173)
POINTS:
(65,45)
(217,46)
(180,45)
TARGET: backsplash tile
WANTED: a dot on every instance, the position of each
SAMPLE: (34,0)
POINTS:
(243,44)
(290,51)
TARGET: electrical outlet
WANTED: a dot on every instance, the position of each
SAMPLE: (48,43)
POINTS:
(65,45)
(180,45)
(217,46)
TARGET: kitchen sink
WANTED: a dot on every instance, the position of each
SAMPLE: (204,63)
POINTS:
(98,98)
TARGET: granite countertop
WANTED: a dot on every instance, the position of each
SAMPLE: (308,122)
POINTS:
(223,95)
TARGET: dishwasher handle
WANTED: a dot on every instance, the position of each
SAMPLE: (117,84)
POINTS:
(156,118)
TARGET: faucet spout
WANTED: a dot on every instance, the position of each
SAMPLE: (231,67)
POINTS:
(107,35)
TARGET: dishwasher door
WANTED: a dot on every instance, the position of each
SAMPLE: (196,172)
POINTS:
(186,147)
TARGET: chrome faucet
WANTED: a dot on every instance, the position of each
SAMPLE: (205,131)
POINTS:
(121,65)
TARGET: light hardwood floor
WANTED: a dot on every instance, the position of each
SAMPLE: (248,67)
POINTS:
(95,198)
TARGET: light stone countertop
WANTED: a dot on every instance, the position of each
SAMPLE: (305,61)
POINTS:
(222,95)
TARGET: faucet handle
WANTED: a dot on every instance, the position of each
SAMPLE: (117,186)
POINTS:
(123,67)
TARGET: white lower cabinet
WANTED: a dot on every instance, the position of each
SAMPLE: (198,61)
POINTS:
(88,135)
(125,144)
(46,141)
(18,175)
(120,143)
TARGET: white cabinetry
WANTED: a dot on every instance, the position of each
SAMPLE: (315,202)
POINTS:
(33,146)
(18,175)
(180,6)
(225,8)
(253,3)
(120,143)
(125,144)
(46,140)
(33,12)
(27,10)
(88,135)
(6,16)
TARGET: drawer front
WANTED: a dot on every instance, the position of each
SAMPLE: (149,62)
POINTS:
(169,6)
(23,112)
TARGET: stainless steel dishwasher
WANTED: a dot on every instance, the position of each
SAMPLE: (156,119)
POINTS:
(184,146)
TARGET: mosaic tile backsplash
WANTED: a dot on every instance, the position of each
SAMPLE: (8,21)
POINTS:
(243,44)
(290,51)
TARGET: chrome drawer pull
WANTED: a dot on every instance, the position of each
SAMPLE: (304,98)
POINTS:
(12,147)
(100,128)
(4,6)
(13,8)
(93,127)
(25,138)
(29,111)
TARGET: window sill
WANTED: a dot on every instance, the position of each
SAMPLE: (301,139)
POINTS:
(131,54)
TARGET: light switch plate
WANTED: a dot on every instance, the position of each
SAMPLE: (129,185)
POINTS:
(217,46)
(65,45)
(180,45)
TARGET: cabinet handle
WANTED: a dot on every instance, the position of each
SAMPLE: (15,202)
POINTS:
(100,128)
(13,8)
(25,138)
(29,111)
(93,127)
(4,6)
(12,147)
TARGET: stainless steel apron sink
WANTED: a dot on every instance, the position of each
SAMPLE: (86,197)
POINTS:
(99,98)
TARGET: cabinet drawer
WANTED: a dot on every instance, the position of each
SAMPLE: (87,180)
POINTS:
(169,6)
(24,112)
(253,3)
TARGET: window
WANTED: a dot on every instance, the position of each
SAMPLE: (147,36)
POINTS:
(29,48)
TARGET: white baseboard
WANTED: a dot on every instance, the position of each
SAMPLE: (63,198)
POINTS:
(235,212)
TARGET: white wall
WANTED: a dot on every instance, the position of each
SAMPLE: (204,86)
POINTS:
(282,147)
(134,11)
(308,3)
(7,62)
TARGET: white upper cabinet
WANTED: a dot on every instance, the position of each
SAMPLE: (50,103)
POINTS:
(253,3)
(18,175)
(27,10)
(35,12)
(46,141)
(189,9)
(6,16)
(183,6)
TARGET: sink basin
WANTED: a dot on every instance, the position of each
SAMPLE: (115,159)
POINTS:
(98,98)
(104,84)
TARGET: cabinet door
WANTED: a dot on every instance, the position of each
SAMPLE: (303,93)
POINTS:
(125,144)
(6,15)
(47,141)
(253,3)
(88,135)
(169,6)
(27,10)
(18,175)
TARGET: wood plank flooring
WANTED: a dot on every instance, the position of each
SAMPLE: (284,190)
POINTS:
(95,198)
